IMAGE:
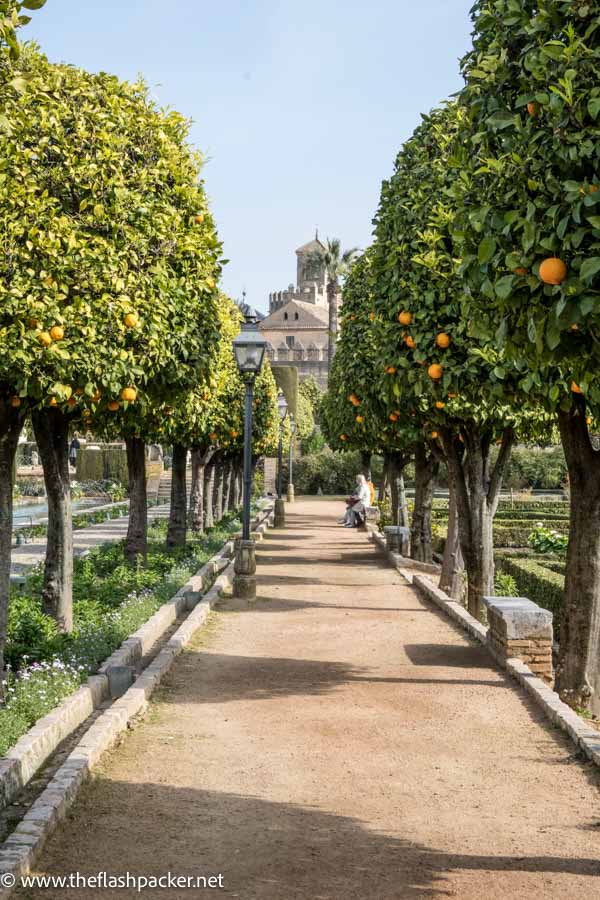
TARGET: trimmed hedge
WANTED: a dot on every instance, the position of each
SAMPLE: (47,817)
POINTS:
(536,581)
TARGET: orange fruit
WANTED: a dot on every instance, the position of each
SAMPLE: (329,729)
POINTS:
(394,417)
(114,405)
(360,419)
(435,371)
(354,400)
(443,340)
(44,338)
(71,402)
(410,342)
(97,397)
(52,401)
(434,434)
(520,270)
(405,318)
(452,396)
(211,283)
(391,370)
(15,402)
(129,394)
(199,219)
(213,436)
(372,317)
(589,420)
(553,270)
(233,434)
(533,108)
(57,333)
(439,404)
(593,189)
(343,437)
(574,327)
(131,320)
(575,388)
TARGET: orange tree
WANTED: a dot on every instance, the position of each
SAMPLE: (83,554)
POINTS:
(12,84)
(532,254)
(210,423)
(113,260)
(360,413)
(459,380)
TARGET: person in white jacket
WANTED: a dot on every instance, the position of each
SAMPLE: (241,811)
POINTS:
(355,512)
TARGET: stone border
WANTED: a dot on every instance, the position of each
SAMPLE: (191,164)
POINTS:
(396,559)
(23,847)
(585,738)
(36,746)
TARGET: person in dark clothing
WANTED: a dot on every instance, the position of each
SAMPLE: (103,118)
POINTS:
(73,449)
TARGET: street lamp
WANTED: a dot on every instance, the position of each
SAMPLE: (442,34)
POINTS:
(282,409)
(290,488)
(249,351)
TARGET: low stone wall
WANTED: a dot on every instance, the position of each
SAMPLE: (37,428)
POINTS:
(520,629)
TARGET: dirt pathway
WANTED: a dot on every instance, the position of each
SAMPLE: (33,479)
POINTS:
(339,741)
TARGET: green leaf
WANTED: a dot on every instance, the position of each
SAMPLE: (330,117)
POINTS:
(487,248)
(589,268)
(33,4)
(594,107)
(504,286)
(532,331)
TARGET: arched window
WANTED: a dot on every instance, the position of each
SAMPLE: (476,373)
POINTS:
(285,316)
(296,316)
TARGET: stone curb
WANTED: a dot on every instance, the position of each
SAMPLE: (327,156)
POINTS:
(397,560)
(32,750)
(585,738)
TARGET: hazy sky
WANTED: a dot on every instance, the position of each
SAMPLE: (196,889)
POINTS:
(300,107)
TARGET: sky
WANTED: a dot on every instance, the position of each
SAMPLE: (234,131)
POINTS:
(299,107)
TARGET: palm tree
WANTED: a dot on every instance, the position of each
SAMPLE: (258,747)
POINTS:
(337,264)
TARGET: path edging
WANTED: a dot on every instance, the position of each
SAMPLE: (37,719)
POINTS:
(23,847)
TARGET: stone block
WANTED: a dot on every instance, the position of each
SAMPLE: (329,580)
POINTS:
(120,679)
(397,539)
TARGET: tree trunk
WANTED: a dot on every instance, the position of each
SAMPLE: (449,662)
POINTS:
(226,484)
(395,467)
(578,671)
(426,469)
(452,563)
(177,530)
(332,300)
(11,423)
(477,490)
(365,464)
(209,482)
(218,492)
(196,507)
(51,428)
(233,504)
(237,483)
(384,483)
(136,542)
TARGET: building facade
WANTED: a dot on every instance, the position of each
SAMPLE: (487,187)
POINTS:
(297,327)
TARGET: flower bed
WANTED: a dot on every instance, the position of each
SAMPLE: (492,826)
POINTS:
(111,600)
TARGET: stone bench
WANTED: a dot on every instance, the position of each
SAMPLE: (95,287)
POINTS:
(397,539)
(519,628)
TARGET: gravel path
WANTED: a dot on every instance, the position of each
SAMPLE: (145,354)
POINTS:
(28,555)
(340,740)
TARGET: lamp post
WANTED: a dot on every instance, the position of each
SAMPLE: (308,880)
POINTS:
(249,351)
(290,488)
(282,409)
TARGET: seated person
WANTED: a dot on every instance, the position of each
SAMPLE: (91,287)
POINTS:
(356,504)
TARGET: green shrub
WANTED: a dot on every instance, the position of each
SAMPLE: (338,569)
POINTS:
(333,473)
(505,585)
(537,582)
(548,540)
